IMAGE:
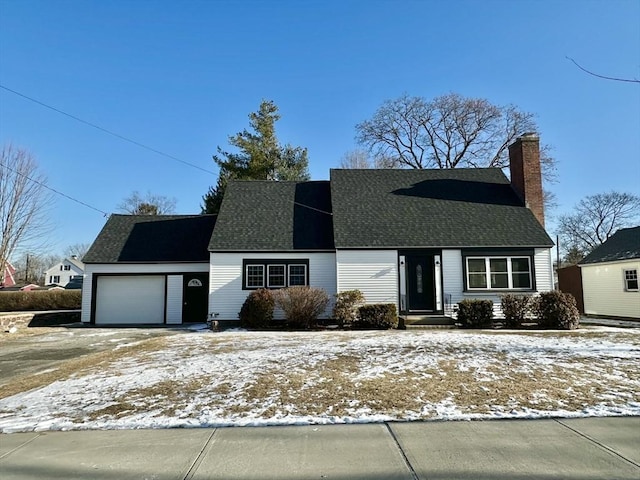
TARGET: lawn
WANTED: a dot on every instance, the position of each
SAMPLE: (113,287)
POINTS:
(269,378)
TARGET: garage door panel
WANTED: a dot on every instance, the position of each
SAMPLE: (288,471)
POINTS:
(130,299)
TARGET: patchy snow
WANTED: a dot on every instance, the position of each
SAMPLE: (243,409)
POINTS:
(235,378)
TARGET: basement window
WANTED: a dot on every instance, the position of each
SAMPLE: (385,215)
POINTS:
(631,280)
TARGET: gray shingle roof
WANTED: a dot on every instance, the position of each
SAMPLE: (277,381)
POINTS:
(274,216)
(622,245)
(152,238)
(430,208)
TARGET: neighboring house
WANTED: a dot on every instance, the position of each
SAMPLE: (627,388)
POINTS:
(420,239)
(610,276)
(63,272)
(8,279)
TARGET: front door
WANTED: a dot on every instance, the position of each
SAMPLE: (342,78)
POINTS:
(195,297)
(420,283)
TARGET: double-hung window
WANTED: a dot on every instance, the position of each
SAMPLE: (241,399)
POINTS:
(258,273)
(499,273)
(631,280)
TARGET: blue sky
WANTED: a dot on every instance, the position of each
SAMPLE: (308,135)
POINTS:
(181,77)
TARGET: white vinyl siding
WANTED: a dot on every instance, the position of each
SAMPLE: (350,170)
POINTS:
(130,299)
(604,292)
(92,269)
(174,299)
(225,278)
(452,278)
(373,272)
(543,269)
(69,270)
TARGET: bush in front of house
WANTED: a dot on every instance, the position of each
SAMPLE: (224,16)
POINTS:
(345,310)
(40,300)
(257,309)
(475,313)
(379,316)
(301,305)
(515,309)
(557,310)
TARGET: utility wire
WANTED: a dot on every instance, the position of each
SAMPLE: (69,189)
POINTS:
(122,137)
(98,127)
(54,190)
(602,76)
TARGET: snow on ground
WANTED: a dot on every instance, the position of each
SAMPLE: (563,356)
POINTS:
(233,378)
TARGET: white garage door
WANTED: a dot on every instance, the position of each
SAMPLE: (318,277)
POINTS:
(130,299)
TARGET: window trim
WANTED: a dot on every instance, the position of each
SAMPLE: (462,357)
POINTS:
(633,271)
(508,256)
(306,276)
(246,276)
(284,275)
(265,264)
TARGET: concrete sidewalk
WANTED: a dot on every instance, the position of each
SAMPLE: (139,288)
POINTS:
(590,448)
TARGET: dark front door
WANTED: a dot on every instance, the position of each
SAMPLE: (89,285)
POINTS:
(195,298)
(420,283)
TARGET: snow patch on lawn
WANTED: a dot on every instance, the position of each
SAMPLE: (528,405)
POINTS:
(204,379)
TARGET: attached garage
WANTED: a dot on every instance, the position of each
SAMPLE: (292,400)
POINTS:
(130,299)
(148,270)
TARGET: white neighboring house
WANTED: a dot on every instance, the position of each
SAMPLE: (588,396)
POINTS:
(610,276)
(62,272)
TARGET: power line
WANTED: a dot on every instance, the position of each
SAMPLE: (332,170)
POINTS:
(54,190)
(98,127)
(602,76)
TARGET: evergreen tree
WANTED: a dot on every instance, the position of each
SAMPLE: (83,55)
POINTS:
(259,157)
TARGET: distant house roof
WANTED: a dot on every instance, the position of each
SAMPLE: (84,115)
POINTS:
(274,216)
(75,262)
(622,245)
(430,208)
(152,238)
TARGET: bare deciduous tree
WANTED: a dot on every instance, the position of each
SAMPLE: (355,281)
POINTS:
(447,132)
(595,219)
(23,200)
(361,159)
(77,249)
(150,204)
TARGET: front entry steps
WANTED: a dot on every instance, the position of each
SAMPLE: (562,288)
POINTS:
(428,321)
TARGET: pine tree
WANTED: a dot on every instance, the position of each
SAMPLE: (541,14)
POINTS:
(260,157)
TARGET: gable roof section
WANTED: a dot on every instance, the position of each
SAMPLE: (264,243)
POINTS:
(261,215)
(152,238)
(622,245)
(75,262)
(430,208)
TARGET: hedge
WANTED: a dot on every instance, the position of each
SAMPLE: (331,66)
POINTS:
(40,300)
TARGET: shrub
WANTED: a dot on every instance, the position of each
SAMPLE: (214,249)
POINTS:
(556,310)
(345,311)
(515,309)
(378,315)
(475,313)
(40,300)
(257,309)
(301,305)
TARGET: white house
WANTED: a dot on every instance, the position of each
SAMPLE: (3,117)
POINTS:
(420,239)
(62,272)
(610,276)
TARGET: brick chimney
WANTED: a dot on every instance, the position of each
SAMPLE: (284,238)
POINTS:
(526,177)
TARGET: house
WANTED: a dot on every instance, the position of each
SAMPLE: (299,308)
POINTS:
(420,239)
(8,277)
(610,276)
(63,272)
